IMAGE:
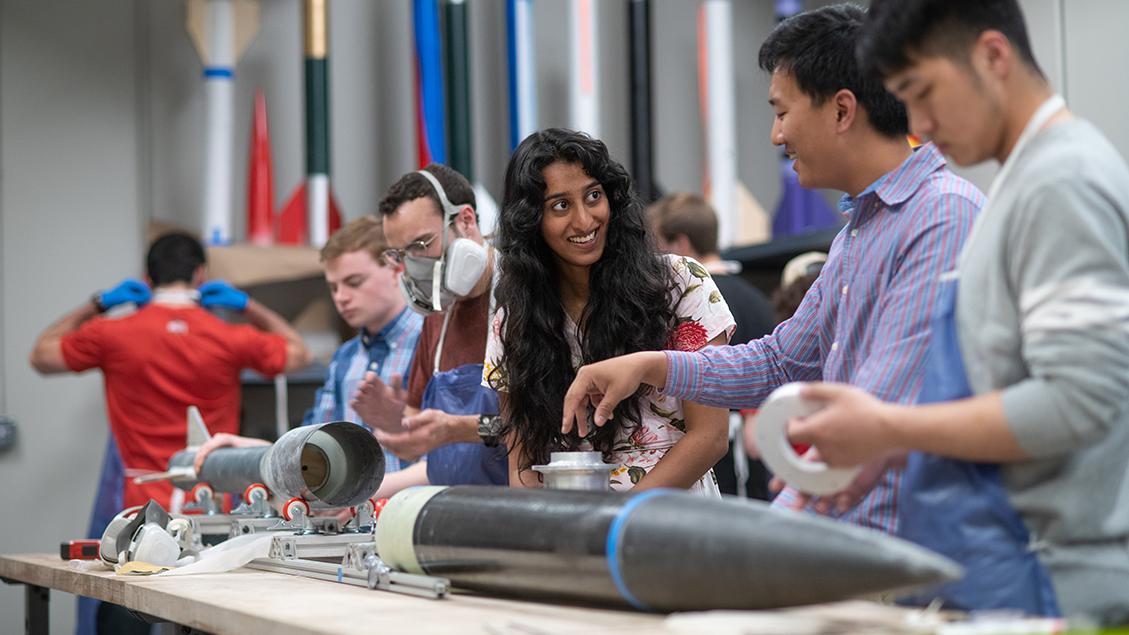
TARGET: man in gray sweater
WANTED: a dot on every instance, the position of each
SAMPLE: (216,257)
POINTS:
(1019,469)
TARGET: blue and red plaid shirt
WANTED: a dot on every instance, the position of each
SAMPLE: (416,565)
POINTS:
(865,320)
(386,353)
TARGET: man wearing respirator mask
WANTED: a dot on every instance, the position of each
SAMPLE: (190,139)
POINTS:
(432,230)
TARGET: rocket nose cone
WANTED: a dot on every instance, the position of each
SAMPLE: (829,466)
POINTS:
(921,566)
(871,561)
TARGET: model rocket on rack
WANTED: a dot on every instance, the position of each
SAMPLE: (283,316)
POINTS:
(260,178)
(221,30)
(311,214)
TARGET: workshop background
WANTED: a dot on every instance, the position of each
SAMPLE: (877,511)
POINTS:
(102,131)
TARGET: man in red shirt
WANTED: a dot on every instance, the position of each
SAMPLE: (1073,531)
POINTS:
(169,354)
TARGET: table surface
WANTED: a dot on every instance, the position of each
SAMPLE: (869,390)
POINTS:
(246,601)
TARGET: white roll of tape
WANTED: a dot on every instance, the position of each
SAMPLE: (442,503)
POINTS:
(812,477)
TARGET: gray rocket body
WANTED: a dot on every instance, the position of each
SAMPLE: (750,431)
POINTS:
(660,550)
(335,464)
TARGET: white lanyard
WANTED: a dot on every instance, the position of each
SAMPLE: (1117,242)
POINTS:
(447,316)
(1035,124)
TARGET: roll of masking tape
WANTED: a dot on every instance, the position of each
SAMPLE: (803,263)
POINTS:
(812,477)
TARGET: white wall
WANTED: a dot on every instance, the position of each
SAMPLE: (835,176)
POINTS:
(71,224)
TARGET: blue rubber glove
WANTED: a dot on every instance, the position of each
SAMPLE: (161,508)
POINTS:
(128,290)
(219,294)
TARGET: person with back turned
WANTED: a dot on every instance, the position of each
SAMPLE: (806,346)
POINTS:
(170,353)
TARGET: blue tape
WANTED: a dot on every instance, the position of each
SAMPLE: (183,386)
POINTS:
(340,575)
(615,539)
(219,71)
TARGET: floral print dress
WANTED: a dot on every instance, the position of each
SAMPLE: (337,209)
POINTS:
(701,315)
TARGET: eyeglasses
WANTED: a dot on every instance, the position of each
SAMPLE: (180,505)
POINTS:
(414,249)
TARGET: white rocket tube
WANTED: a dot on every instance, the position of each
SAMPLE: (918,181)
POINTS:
(584,77)
(721,136)
(317,204)
(219,79)
(526,69)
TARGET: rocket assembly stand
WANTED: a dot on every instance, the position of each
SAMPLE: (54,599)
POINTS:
(658,550)
(326,466)
(310,546)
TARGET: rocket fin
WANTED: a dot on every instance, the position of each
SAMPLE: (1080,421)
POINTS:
(197,431)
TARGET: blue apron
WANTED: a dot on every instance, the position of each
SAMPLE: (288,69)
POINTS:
(459,391)
(107,503)
(960,509)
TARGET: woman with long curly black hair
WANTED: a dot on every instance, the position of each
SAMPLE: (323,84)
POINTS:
(581,282)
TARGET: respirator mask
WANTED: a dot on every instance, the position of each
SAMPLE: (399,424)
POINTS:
(432,285)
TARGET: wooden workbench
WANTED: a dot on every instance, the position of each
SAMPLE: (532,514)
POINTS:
(245,601)
(251,602)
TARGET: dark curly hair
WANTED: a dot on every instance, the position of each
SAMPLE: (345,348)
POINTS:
(628,306)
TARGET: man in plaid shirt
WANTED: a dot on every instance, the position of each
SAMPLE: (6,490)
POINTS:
(865,320)
(365,292)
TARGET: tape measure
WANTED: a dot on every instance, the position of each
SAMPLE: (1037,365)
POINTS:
(79,549)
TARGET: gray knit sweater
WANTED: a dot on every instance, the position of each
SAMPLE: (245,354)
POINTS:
(1043,315)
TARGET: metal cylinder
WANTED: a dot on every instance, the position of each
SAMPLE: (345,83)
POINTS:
(226,469)
(335,464)
(660,550)
(577,470)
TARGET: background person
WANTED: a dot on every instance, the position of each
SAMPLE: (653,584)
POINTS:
(432,229)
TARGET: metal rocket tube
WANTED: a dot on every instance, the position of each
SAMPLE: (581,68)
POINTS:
(660,550)
(226,469)
(336,464)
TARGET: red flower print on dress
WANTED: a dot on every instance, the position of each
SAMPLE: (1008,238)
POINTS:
(688,336)
(643,436)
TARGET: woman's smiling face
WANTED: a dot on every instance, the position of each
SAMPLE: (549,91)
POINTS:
(574,216)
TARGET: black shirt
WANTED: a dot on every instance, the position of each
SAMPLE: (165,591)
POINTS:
(751,309)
